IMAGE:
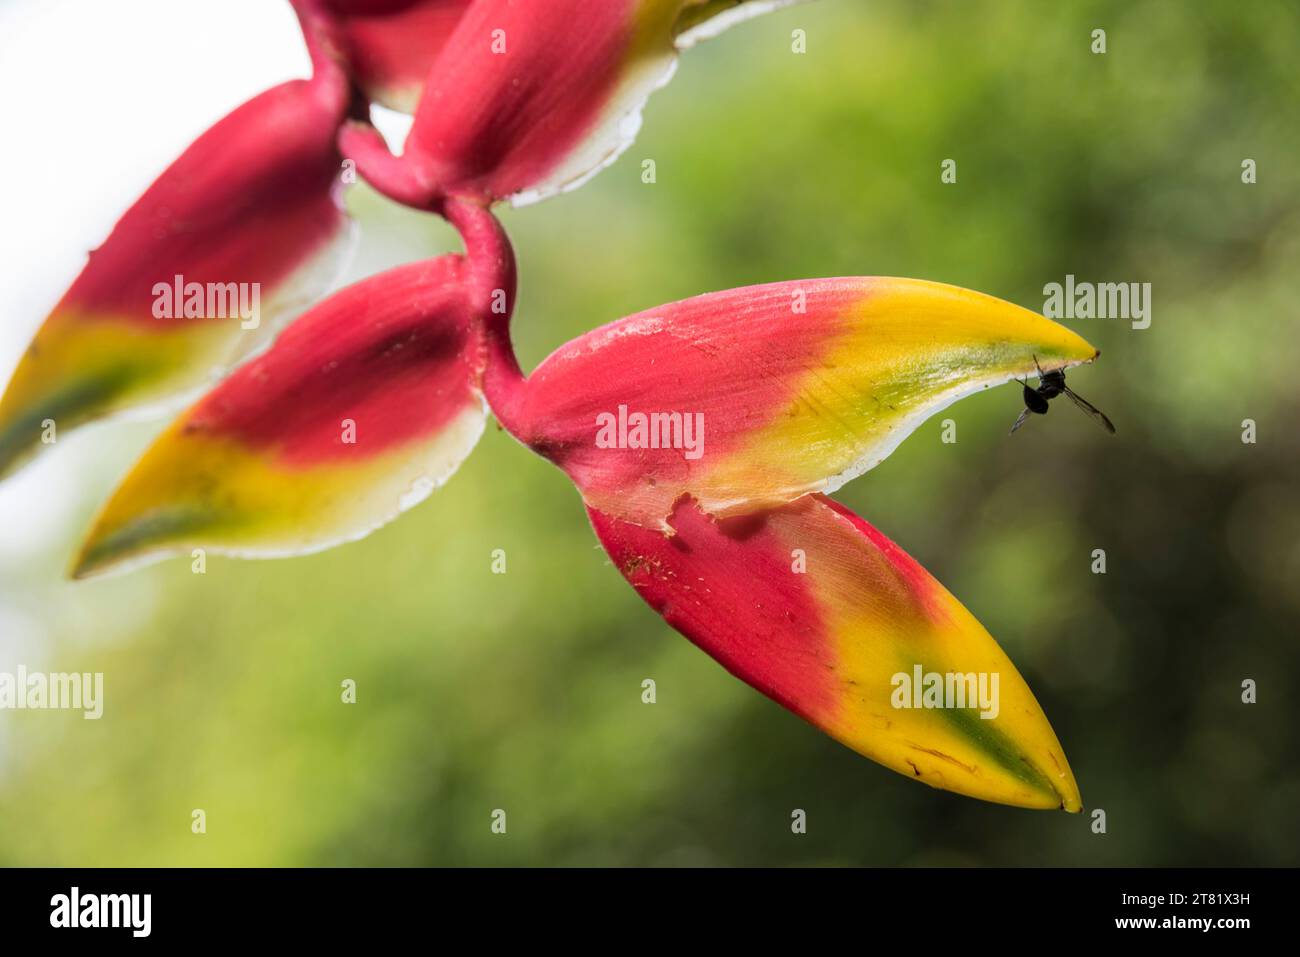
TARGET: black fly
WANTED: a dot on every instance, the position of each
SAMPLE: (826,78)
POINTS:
(1050,385)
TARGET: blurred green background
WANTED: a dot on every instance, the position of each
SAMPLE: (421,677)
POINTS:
(523,691)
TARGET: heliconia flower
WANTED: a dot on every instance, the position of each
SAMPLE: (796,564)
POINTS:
(390,44)
(527,99)
(357,412)
(239,232)
(246,227)
(373,398)
(752,397)
(701,435)
(362,407)
(822,613)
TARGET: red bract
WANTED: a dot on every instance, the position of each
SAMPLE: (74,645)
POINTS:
(753,397)
(249,213)
(818,610)
(701,434)
(390,44)
(526,99)
(364,406)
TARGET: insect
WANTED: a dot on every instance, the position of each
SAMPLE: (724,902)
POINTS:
(1050,385)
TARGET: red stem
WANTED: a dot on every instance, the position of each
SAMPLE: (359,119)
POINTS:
(395,176)
(491,278)
(490,273)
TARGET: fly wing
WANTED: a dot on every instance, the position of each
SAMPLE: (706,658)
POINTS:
(1092,410)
